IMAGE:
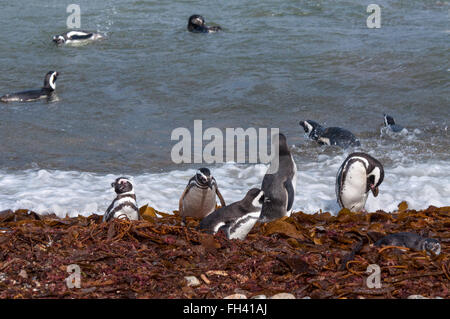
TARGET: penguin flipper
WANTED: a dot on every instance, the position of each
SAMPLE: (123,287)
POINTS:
(180,203)
(290,193)
(107,216)
(222,201)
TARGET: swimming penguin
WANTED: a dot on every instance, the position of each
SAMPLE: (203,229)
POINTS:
(390,123)
(74,37)
(124,205)
(412,241)
(279,183)
(46,92)
(236,219)
(199,197)
(330,135)
(359,174)
(196,24)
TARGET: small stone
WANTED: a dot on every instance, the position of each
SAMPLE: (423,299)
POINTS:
(259,297)
(283,295)
(192,281)
(307,297)
(23,274)
(236,296)
(417,297)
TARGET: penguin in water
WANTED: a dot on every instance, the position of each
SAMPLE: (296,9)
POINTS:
(330,135)
(236,219)
(279,183)
(46,92)
(199,197)
(358,174)
(412,241)
(197,24)
(76,37)
(390,124)
(124,205)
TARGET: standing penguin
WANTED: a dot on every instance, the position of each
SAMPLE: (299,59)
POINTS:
(124,205)
(236,219)
(279,183)
(359,174)
(199,197)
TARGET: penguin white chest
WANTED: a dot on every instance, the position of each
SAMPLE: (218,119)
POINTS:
(127,212)
(353,192)
(243,225)
(199,203)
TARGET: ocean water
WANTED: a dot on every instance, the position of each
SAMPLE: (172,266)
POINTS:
(276,63)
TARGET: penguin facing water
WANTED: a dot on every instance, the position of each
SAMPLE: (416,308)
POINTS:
(236,219)
(196,24)
(358,174)
(46,92)
(199,197)
(279,183)
(390,124)
(124,205)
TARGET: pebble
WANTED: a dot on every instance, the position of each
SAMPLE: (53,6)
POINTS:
(259,297)
(417,297)
(283,295)
(236,296)
(192,281)
(23,274)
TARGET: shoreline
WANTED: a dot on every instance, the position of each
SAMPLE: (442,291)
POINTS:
(306,255)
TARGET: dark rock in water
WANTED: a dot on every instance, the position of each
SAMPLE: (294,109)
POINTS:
(412,241)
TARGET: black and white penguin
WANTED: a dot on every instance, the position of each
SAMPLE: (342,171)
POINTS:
(236,219)
(76,37)
(412,241)
(330,135)
(279,183)
(196,24)
(124,205)
(390,123)
(199,197)
(45,92)
(359,174)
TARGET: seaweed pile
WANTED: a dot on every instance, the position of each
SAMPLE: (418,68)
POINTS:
(317,256)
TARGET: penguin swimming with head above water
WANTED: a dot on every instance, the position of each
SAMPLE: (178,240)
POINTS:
(124,205)
(279,182)
(199,197)
(45,92)
(196,24)
(358,174)
(236,219)
(390,124)
(76,37)
(330,135)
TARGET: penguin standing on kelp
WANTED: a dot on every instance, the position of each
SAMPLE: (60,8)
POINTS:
(279,183)
(196,24)
(236,219)
(124,205)
(199,197)
(46,92)
(358,174)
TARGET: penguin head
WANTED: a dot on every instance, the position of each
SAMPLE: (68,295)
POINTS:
(375,177)
(311,128)
(388,120)
(50,80)
(433,245)
(196,20)
(203,177)
(122,185)
(255,196)
(59,39)
(280,139)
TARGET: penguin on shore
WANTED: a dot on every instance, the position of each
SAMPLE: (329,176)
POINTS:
(330,135)
(196,24)
(76,37)
(412,241)
(390,124)
(279,182)
(358,174)
(124,205)
(236,219)
(46,92)
(199,197)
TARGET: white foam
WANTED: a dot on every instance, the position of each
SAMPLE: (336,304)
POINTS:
(73,193)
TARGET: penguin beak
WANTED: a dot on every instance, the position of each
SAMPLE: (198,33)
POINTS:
(113,185)
(209,184)
(374,190)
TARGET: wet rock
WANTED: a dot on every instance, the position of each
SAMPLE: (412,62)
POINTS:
(259,297)
(417,297)
(283,295)
(236,296)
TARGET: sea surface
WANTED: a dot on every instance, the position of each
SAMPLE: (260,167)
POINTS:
(275,63)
